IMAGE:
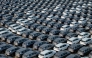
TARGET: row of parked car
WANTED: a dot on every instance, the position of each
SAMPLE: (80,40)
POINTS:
(45,29)
(18,52)
(33,35)
(43,45)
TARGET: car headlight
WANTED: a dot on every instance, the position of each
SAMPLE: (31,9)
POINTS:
(15,43)
(8,41)
(17,54)
(7,52)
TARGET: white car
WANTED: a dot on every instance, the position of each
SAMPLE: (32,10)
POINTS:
(73,40)
(65,27)
(82,22)
(74,24)
(47,54)
(61,46)
(85,41)
(21,30)
(83,35)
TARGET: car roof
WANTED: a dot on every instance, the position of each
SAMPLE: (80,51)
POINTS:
(72,38)
(83,33)
(60,44)
(85,39)
(45,51)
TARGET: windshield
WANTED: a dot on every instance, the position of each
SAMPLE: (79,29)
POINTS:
(56,47)
(41,54)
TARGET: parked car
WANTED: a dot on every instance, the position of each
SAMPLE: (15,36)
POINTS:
(79,30)
(74,47)
(61,46)
(83,35)
(6,36)
(90,44)
(26,33)
(12,39)
(46,30)
(42,37)
(46,47)
(90,54)
(73,56)
(73,40)
(18,42)
(85,41)
(65,27)
(3,47)
(59,40)
(38,44)
(82,22)
(51,38)
(51,24)
(63,33)
(62,54)
(34,26)
(21,51)
(30,54)
(34,35)
(74,24)
(57,26)
(40,28)
(28,43)
(69,35)
(11,51)
(84,51)
(54,32)
(47,54)
(46,22)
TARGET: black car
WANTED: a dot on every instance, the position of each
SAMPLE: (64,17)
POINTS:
(79,30)
(12,39)
(74,47)
(63,33)
(62,54)
(2,43)
(88,27)
(21,51)
(46,47)
(8,23)
(42,37)
(57,26)
(73,56)
(90,54)
(54,32)
(28,43)
(84,51)
(18,42)
(73,29)
(30,54)
(46,30)
(26,33)
(59,40)
(40,28)
(62,20)
(51,24)
(40,21)
(38,44)
(34,35)
(6,36)
(46,22)
(51,38)
(3,47)
(11,51)
(69,35)
(90,44)
(34,26)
